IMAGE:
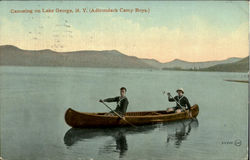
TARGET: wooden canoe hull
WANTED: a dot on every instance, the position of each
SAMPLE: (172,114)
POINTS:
(86,120)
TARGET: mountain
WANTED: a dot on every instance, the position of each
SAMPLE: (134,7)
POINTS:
(180,64)
(239,66)
(152,62)
(11,55)
(196,65)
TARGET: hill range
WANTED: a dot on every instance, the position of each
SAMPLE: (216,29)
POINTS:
(180,64)
(238,66)
(12,55)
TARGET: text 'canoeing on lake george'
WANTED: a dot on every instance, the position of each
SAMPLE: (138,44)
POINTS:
(83,10)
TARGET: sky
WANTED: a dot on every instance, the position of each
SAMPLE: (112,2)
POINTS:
(188,30)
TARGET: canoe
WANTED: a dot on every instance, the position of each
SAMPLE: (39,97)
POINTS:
(77,119)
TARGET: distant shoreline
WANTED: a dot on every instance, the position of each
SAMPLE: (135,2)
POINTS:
(240,81)
(200,70)
(149,69)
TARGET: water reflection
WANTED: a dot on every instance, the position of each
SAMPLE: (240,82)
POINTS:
(121,143)
(176,133)
(75,135)
(117,144)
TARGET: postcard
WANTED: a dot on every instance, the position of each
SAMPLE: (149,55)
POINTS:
(129,80)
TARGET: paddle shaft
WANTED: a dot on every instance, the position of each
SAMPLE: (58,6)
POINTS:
(118,115)
(173,98)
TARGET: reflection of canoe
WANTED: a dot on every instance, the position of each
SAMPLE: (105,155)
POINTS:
(84,119)
(176,131)
(79,134)
(119,142)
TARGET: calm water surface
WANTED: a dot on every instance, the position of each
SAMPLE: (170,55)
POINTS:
(33,101)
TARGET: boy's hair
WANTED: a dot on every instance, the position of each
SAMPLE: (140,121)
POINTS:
(123,88)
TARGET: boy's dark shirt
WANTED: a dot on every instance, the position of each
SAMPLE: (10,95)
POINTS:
(183,101)
(122,104)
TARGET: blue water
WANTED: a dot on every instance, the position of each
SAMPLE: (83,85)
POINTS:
(33,101)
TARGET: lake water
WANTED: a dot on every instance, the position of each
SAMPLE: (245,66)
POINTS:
(33,101)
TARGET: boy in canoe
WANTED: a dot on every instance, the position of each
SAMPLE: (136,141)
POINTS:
(182,102)
(122,102)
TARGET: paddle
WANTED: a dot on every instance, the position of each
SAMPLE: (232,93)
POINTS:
(171,97)
(176,101)
(118,115)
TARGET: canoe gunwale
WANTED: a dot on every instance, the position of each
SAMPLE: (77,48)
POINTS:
(91,119)
(93,114)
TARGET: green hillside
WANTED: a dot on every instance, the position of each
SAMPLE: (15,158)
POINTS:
(240,66)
